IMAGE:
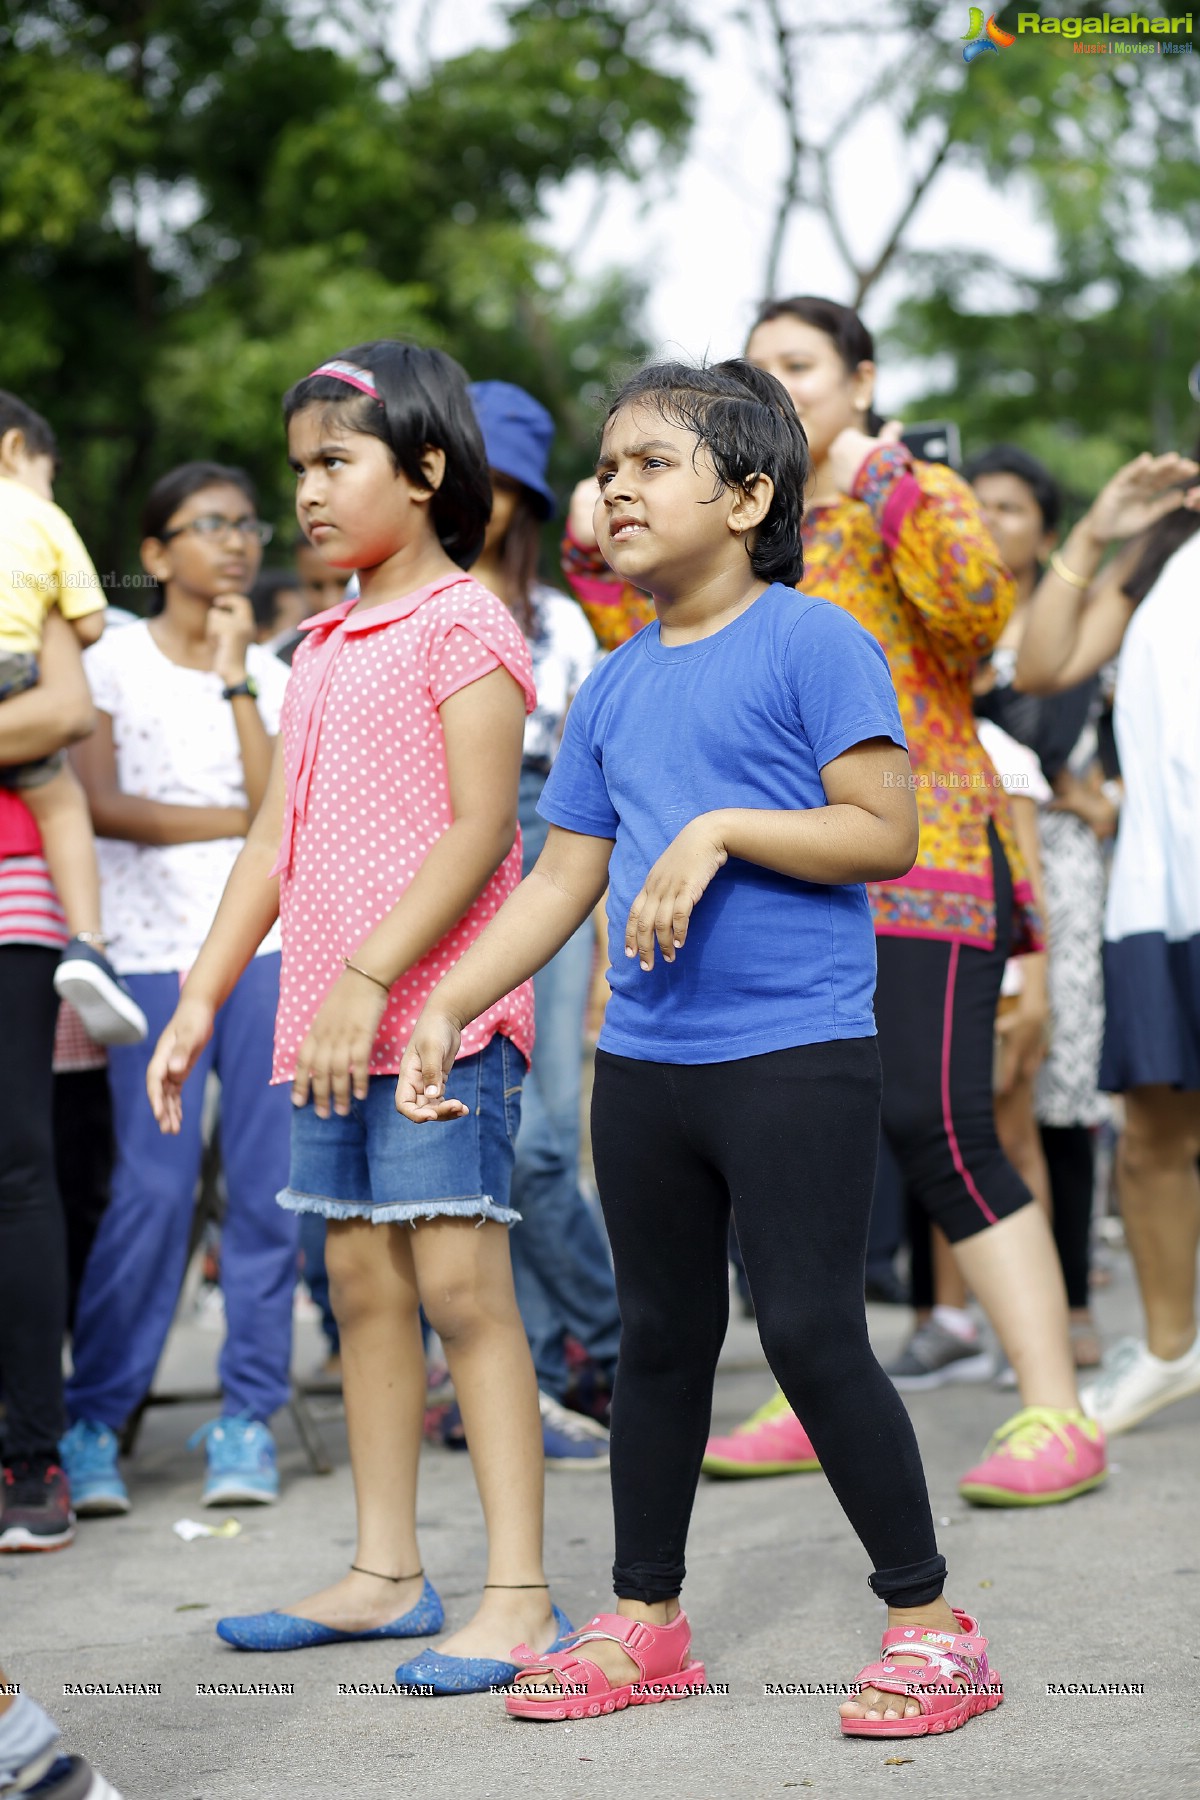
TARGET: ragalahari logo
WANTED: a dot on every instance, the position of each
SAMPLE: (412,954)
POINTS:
(983,37)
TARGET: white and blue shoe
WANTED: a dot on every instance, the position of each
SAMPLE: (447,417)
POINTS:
(89,1460)
(571,1440)
(241,1462)
(87,980)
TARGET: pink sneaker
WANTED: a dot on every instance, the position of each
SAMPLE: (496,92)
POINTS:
(771,1442)
(1037,1457)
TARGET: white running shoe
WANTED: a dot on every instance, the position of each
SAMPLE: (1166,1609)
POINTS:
(1132,1384)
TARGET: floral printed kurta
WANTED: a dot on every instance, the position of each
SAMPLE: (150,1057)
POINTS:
(909,556)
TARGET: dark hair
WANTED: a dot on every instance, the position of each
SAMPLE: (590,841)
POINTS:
(16,416)
(746,421)
(172,489)
(1158,545)
(1010,459)
(519,554)
(840,324)
(265,592)
(423,404)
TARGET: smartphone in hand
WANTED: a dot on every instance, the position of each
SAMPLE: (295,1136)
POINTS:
(935,440)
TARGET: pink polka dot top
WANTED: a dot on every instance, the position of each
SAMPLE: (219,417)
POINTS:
(368,794)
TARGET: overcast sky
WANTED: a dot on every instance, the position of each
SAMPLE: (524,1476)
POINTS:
(699,232)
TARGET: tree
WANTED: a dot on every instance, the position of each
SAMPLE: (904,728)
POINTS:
(201,199)
(1089,364)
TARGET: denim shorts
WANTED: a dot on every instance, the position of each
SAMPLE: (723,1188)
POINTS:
(376,1164)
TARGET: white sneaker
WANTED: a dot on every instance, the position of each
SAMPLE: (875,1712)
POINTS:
(1132,1384)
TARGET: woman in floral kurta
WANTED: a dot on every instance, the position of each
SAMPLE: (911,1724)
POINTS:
(902,545)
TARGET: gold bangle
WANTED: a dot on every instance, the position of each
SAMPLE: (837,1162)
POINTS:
(1059,568)
(347,964)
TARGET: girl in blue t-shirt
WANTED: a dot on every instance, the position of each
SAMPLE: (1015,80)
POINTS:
(733,775)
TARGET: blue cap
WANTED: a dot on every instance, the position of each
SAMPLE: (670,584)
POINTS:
(517,435)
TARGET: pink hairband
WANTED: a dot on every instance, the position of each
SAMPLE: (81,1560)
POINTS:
(354,377)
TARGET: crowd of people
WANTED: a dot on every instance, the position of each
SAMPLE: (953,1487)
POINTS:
(816,754)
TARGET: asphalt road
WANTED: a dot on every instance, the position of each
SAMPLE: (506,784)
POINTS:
(1103,1590)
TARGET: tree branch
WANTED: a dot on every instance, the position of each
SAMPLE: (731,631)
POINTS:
(789,99)
(868,277)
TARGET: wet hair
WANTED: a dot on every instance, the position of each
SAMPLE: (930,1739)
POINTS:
(1010,459)
(16,416)
(1158,544)
(746,421)
(423,404)
(169,493)
(840,324)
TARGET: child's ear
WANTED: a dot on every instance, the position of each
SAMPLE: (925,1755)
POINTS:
(12,448)
(155,559)
(750,504)
(433,469)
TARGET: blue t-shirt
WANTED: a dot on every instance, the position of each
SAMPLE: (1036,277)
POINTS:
(745,718)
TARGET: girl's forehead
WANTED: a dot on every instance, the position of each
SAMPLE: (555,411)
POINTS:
(319,421)
(218,496)
(642,422)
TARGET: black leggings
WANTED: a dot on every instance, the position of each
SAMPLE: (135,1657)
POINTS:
(789,1138)
(33,1257)
(935,1010)
(1071,1163)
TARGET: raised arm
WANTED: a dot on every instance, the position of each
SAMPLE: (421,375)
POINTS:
(1077,617)
(942,554)
(58,711)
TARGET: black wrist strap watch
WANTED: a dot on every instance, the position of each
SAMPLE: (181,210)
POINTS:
(248,687)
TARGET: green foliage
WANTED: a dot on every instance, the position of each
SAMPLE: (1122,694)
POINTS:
(201,199)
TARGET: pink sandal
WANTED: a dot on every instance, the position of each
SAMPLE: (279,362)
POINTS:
(951,1684)
(660,1652)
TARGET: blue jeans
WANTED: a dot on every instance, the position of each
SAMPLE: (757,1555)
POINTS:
(373,1163)
(136,1267)
(561,1267)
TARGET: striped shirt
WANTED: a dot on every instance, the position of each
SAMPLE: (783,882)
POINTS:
(29,908)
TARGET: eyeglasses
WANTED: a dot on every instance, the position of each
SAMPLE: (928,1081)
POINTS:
(214,525)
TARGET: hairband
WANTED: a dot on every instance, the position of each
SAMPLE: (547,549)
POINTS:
(354,377)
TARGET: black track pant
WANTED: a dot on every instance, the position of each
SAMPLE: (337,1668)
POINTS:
(33,1256)
(790,1139)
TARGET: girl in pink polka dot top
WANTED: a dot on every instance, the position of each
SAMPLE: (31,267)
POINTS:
(386,842)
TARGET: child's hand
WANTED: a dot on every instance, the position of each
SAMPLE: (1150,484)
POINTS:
(663,909)
(421,1089)
(173,1061)
(230,631)
(335,1057)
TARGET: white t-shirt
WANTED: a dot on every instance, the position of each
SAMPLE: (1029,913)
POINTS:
(175,741)
(563,648)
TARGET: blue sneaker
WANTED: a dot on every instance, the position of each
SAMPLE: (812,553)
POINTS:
(89,1460)
(571,1440)
(87,980)
(241,1462)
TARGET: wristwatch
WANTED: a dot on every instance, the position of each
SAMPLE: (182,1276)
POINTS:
(249,686)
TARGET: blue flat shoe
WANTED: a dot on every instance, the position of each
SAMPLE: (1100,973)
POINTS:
(468,1674)
(283,1631)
